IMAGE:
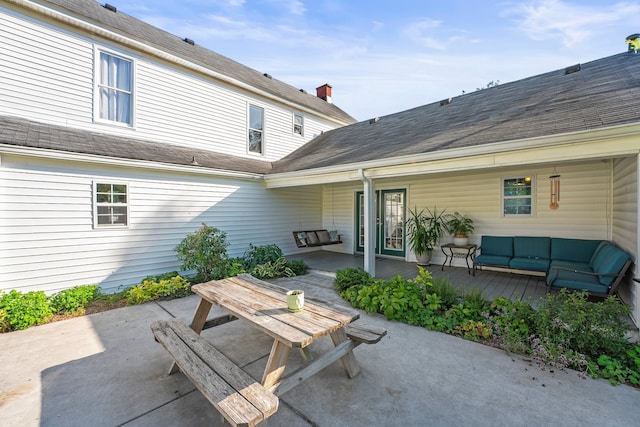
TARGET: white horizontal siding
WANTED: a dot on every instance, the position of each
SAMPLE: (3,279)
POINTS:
(46,74)
(625,223)
(49,243)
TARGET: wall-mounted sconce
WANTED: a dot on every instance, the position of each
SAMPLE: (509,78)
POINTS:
(555,190)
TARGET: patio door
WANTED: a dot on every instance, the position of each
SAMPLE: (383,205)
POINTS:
(390,213)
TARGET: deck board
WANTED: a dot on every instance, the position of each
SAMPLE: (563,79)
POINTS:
(515,286)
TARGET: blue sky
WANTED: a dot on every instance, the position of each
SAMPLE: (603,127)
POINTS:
(382,57)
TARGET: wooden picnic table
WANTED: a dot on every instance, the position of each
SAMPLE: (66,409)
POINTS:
(264,306)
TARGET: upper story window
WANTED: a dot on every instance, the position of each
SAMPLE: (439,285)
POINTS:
(115,89)
(517,196)
(298,124)
(256,129)
(111,205)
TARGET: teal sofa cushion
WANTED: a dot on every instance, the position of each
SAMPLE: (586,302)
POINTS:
(573,250)
(532,247)
(576,281)
(495,260)
(497,245)
(581,266)
(608,260)
(535,264)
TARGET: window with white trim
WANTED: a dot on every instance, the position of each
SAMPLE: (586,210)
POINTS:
(114,94)
(111,204)
(256,129)
(517,196)
(298,124)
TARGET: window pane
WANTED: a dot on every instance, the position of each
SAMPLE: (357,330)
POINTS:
(111,204)
(255,117)
(298,124)
(255,141)
(115,87)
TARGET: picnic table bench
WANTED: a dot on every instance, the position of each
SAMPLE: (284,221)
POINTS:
(240,399)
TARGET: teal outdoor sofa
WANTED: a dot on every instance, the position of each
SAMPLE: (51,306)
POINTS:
(597,266)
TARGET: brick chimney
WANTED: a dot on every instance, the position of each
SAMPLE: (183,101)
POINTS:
(324,92)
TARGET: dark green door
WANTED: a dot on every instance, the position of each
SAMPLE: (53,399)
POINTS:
(390,211)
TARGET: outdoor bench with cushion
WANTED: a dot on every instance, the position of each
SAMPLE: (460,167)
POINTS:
(596,266)
(311,238)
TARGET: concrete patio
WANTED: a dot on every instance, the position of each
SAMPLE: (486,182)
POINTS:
(106,370)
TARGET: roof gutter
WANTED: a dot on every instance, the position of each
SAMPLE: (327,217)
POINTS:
(142,47)
(350,171)
(115,161)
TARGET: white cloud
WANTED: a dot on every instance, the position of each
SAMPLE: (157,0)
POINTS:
(571,23)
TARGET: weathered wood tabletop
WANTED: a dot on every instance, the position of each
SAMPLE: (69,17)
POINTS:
(264,306)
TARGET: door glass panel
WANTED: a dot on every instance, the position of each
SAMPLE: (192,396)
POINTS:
(394,221)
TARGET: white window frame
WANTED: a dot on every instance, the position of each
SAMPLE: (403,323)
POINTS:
(98,86)
(300,125)
(97,205)
(525,178)
(262,130)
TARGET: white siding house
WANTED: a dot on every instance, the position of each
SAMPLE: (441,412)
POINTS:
(67,68)
(117,139)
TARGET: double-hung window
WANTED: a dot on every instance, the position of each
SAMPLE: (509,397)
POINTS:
(256,129)
(111,204)
(115,89)
(517,196)
(298,124)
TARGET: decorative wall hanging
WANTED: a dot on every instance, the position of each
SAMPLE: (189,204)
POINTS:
(555,190)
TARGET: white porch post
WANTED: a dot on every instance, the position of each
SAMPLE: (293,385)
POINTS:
(369,224)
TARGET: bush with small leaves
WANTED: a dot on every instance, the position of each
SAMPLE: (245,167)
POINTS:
(25,310)
(205,251)
(151,289)
(73,300)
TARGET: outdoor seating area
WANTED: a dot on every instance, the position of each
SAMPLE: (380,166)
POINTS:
(597,266)
(241,400)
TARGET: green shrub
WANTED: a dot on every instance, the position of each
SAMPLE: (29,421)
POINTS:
(74,299)
(205,251)
(271,269)
(348,277)
(476,304)
(25,310)
(298,266)
(570,321)
(257,255)
(445,290)
(150,289)
(512,321)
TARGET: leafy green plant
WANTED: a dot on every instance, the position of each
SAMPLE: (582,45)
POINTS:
(151,289)
(475,303)
(349,277)
(271,269)
(424,229)
(205,251)
(460,225)
(445,290)
(298,266)
(474,330)
(257,255)
(74,299)
(22,311)
(570,320)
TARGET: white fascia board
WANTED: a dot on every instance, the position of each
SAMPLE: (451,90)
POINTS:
(115,161)
(145,48)
(621,140)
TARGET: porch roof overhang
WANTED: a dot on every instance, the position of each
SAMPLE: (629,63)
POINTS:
(604,143)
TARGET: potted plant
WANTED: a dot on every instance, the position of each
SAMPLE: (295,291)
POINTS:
(460,226)
(295,300)
(424,231)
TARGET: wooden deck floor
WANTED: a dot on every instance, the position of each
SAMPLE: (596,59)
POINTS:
(492,283)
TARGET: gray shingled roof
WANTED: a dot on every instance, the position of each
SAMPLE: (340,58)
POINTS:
(122,23)
(24,133)
(603,93)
